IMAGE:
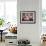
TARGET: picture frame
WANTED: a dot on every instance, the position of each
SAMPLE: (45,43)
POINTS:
(27,17)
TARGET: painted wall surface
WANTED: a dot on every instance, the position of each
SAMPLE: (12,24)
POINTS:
(30,31)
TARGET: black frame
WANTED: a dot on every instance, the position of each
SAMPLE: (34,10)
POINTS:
(28,12)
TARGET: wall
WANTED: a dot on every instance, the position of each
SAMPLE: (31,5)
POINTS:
(30,31)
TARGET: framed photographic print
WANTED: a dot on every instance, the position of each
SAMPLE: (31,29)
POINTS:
(27,17)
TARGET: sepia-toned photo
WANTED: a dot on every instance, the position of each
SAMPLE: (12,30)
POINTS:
(27,17)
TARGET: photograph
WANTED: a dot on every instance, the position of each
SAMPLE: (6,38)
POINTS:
(27,17)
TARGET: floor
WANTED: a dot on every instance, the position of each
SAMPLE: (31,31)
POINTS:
(2,43)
